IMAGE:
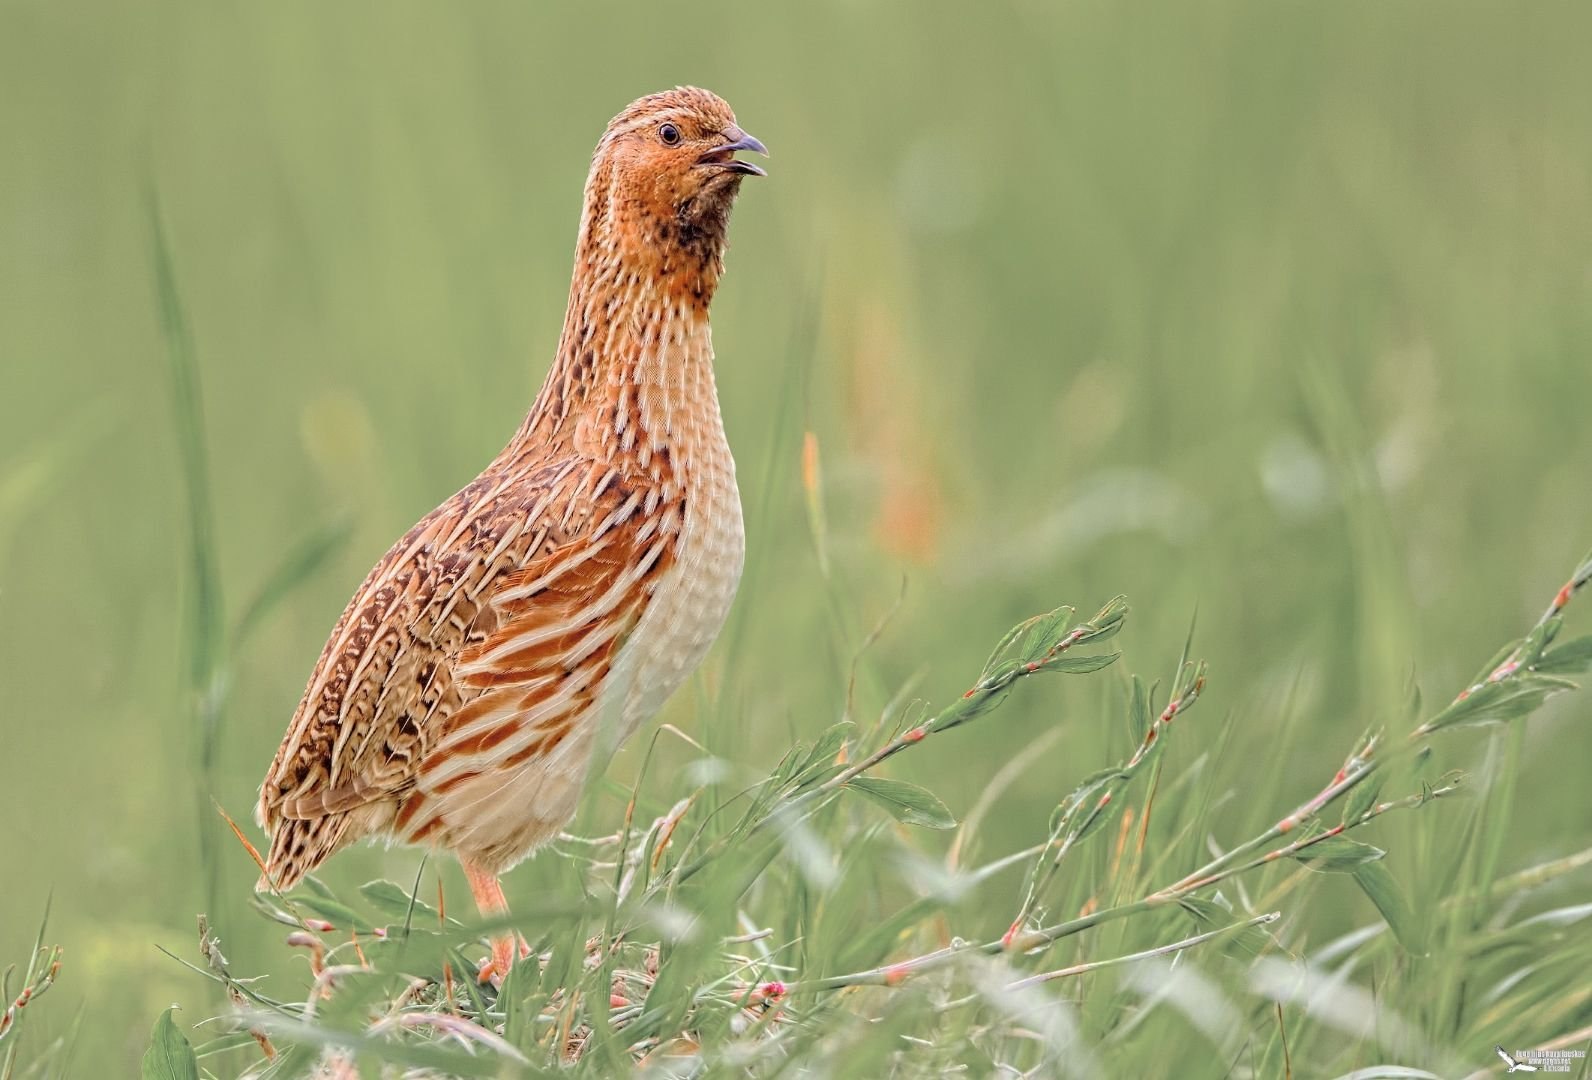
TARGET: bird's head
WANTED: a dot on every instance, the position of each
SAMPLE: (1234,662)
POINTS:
(664,177)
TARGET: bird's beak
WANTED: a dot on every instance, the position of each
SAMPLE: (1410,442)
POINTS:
(725,155)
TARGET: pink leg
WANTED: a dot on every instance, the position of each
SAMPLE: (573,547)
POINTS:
(490,900)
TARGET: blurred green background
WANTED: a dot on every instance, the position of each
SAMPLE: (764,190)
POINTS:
(1277,311)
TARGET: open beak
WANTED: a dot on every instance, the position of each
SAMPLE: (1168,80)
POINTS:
(725,155)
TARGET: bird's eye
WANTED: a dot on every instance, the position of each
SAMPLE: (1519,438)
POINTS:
(669,134)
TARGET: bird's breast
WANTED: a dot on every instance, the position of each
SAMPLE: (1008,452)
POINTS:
(692,600)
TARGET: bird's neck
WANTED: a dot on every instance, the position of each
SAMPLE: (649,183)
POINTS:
(634,367)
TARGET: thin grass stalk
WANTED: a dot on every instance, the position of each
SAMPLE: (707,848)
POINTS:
(205,639)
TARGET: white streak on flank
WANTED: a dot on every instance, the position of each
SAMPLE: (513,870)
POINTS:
(510,534)
(528,727)
(544,632)
(623,512)
(508,703)
(528,589)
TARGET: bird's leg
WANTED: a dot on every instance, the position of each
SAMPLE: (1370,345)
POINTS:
(489,898)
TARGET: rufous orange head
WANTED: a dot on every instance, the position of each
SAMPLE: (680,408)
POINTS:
(664,177)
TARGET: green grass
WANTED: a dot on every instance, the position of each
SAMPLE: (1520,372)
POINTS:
(1279,314)
(772,933)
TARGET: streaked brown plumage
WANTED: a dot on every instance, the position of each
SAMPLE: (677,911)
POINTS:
(576,581)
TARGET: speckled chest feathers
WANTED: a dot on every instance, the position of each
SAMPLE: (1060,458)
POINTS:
(557,600)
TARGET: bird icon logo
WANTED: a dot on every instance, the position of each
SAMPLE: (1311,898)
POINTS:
(1514,1066)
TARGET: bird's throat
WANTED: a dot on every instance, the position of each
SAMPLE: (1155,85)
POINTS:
(636,354)
(634,361)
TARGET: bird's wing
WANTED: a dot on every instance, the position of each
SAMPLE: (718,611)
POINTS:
(1507,1059)
(510,569)
(555,628)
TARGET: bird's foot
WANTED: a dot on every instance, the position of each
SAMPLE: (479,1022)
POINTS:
(489,973)
(495,968)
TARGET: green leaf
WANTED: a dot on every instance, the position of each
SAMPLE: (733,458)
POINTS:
(1504,652)
(1139,711)
(340,915)
(786,769)
(1362,799)
(1531,648)
(169,1057)
(825,749)
(1571,658)
(811,778)
(1389,899)
(1499,702)
(1044,633)
(1412,703)
(393,901)
(1210,914)
(319,887)
(1338,854)
(1190,675)
(1204,911)
(1108,621)
(1084,795)
(907,803)
(1080,665)
(1006,643)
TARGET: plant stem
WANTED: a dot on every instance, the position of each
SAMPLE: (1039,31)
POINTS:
(1118,961)
(996,679)
(1360,765)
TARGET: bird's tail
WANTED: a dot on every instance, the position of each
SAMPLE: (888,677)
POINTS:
(298,846)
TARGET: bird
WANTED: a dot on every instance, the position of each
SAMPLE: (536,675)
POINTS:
(554,603)
(1514,1066)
